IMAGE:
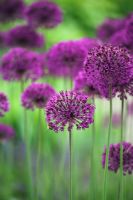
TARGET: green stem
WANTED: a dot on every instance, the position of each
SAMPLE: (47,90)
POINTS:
(121,150)
(107,148)
(70,167)
(92,158)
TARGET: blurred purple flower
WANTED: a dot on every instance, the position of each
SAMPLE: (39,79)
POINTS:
(11,10)
(66,58)
(44,13)
(69,108)
(36,95)
(114,158)
(81,84)
(109,27)
(24,36)
(21,64)
(4,104)
(6,132)
(116,120)
(130,108)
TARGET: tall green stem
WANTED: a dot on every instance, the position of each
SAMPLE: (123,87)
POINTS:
(70,167)
(121,150)
(92,158)
(107,147)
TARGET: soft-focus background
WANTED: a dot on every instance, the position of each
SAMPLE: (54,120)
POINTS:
(81,18)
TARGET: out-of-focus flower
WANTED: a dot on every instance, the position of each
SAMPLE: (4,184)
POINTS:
(66,58)
(37,95)
(116,120)
(24,36)
(69,108)
(2,39)
(44,13)
(6,132)
(4,104)
(81,84)
(11,10)
(114,158)
(130,108)
(21,64)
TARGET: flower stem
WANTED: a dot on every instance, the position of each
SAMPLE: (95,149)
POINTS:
(121,149)
(70,167)
(107,148)
(92,158)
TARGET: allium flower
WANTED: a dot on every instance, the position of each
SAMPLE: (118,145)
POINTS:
(4,104)
(24,36)
(11,9)
(69,108)
(2,39)
(37,95)
(89,43)
(43,13)
(6,132)
(66,58)
(109,27)
(81,84)
(114,158)
(21,64)
(116,120)
(109,66)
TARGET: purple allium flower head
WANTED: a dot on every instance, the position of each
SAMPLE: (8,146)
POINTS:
(24,36)
(11,9)
(114,158)
(69,108)
(109,27)
(81,84)
(6,132)
(116,120)
(37,95)
(4,104)
(44,13)
(21,64)
(66,58)
(108,65)
(89,43)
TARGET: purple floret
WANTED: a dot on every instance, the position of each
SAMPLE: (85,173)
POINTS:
(4,104)
(21,64)
(114,158)
(11,10)
(6,132)
(69,108)
(36,95)
(24,36)
(44,14)
(66,58)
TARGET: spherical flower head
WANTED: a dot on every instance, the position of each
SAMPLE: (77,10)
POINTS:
(44,14)
(24,36)
(6,132)
(108,65)
(81,84)
(21,64)
(89,43)
(11,10)
(114,158)
(36,95)
(4,104)
(69,108)
(109,27)
(129,30)
(66,58)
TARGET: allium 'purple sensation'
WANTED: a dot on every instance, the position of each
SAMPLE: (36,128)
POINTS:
(6,132)
(66,58)
(80,84)
(24,36)
(69,108)
(114,158)
(109,66)
(21,64)
(43,13)
(37,95)
(109,27)
(89,43)
(4,104)
(11,9)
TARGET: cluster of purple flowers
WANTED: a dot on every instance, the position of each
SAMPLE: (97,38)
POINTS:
(6,132)
(114,158)
(4,104)
(69,108)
